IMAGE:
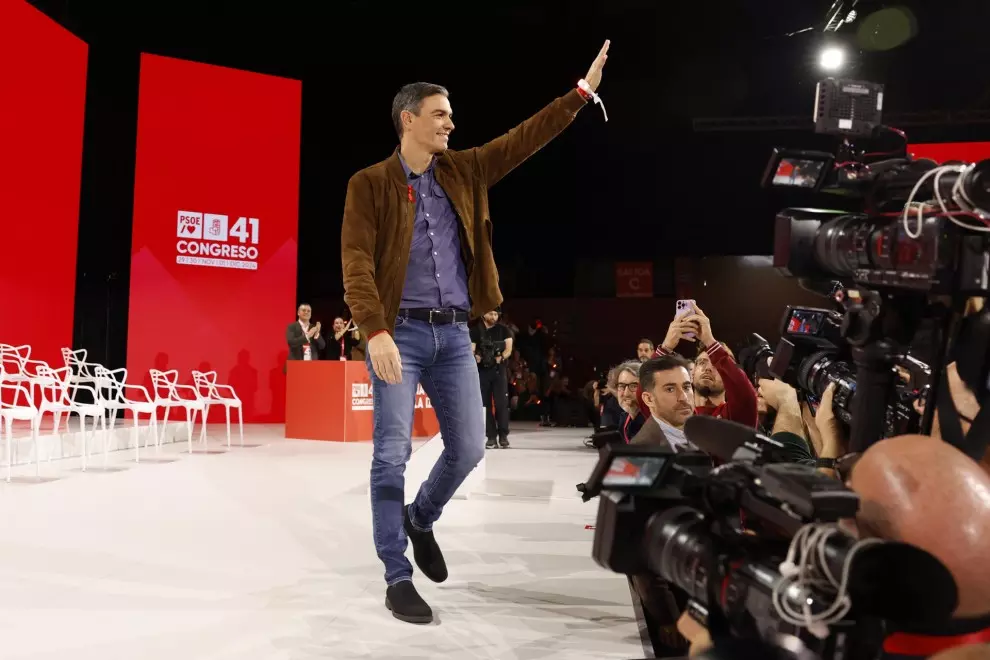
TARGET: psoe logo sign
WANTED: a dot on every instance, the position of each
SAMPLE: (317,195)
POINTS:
(190,225)
(207,239)
(363,397)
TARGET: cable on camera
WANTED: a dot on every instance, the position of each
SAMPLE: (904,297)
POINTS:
(959,197)
(806,569)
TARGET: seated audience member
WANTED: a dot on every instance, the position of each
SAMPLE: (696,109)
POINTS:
(666,389)
(564,407)
(592,402)
(611,409)
(633,410)
(721,388)
(529,405)
(516,366)
(644,350)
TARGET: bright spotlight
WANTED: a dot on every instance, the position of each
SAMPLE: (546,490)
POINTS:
(832,59)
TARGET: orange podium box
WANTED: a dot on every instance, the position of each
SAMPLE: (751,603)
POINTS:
(332,400)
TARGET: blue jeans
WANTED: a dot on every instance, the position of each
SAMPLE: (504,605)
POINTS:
(439,357)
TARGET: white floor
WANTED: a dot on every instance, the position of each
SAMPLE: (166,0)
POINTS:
(265,552)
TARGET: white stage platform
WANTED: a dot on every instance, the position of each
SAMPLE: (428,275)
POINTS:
(266,553)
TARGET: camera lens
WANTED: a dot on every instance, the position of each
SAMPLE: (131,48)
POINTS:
(977,185)
(676,549)
(820,369)
(842,245)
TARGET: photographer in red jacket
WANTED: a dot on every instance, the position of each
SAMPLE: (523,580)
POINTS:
(721,388)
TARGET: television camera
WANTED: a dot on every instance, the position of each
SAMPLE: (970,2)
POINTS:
(754,543)
(812,354)
(912,256)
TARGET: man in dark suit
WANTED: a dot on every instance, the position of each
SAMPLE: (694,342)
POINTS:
(667,390)
(304,339)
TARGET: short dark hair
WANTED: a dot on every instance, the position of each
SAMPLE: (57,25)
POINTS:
(411,98)
(658,365)
(646,341)
(303,304)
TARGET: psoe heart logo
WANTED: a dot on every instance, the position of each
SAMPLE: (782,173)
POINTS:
(190,225)
(207,239)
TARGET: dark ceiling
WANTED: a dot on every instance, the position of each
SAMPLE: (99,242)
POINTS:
(643,186)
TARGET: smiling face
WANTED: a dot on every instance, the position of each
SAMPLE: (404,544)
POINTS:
(628,387)
(430,129)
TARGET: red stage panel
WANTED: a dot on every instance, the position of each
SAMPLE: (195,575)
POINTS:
(213,264)
(970,152)
(42,103)
(333,400)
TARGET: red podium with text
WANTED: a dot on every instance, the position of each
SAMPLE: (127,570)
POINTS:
(332,400)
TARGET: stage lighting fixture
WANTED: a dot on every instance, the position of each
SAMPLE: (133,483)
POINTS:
(832,58)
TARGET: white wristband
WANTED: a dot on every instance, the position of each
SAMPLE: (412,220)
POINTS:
(586,88)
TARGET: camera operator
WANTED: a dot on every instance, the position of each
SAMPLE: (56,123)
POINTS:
(491,343)
(721,388)
(794,428)
(927,493)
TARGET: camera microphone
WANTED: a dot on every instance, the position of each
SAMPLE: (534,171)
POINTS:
(898,582)
(723,439)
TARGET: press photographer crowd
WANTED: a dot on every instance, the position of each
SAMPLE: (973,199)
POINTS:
(829,496)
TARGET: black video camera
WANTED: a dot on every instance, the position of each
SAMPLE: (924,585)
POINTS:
(489,350)
(722,535)
(912,252)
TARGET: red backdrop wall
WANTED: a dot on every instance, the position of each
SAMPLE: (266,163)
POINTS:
(970,152)
(43,92)
(213,264)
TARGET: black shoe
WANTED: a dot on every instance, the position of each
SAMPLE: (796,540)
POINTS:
(426,552)
(406,604)
(490,444)
(503,443)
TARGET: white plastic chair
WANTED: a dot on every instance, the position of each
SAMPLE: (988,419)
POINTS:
(57,400)
(168,381)
(22,408)
(112,389)
(16,367)
(23,351)
(210,392)
(83,372)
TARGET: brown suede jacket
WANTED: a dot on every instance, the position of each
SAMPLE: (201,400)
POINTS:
(378,217)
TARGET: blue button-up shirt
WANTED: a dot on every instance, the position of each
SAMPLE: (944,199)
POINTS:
(436,276)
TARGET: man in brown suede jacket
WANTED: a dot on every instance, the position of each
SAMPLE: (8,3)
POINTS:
(418,264)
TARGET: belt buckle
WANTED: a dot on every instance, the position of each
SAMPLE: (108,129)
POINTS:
(431,316)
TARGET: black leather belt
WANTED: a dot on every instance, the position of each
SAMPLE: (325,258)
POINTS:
(435,316)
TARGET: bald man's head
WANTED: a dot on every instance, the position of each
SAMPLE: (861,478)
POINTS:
(972,652)
(926,493)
